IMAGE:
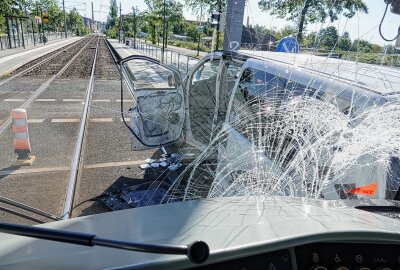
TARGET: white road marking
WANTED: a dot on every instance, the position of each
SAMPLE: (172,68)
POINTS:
(72,100)
(35,121)
(114,164)
(130,100)
(101,100)
(100,119)
(65,120)
(14,99)
(36,170)
(45,99)
(127,119)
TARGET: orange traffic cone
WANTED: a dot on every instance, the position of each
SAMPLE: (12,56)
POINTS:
(22,145)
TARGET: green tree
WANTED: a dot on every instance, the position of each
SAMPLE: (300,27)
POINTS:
(113,14)
(209,6)
(8,7)
(56,18)
(311,11)
(191,31)
(287,30)
(75,22)
(345,42)
(390,49)
(362,46)
(155,16)
(311,40)
(328,37)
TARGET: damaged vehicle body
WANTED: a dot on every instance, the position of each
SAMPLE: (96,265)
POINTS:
(255,117)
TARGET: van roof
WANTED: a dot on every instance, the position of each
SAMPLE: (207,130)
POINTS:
(377,78)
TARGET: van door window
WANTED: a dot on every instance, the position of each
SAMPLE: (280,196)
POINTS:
(202,89)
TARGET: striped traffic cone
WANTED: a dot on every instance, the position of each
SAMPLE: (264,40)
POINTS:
(22,145)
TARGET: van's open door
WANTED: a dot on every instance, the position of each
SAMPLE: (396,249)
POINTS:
(158,115)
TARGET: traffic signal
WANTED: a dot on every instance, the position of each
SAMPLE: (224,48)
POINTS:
(45,16)
(218,21)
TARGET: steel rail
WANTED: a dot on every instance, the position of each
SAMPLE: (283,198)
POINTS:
(8,122)
(29,208)
(77,156)
(43,87)
(41,62)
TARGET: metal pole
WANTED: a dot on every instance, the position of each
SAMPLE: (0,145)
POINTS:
(65,20)
(22,32)
(134,27)
(8,31)
(37,14)
(17,27)
(41,15)
(166,34)
(200,24)
(91,25)
(15,42)
(163,45)
(120,23)
(33,33)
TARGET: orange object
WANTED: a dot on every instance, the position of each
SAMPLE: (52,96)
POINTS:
(365,190)
(22,146)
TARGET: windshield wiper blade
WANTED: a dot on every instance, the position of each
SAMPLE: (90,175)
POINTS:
(197,252)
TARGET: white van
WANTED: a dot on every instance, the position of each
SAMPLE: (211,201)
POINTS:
(237,104)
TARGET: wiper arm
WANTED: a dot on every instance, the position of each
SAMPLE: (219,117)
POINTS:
(197,251)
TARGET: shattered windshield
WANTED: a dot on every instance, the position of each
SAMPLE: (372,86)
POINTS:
(172,101)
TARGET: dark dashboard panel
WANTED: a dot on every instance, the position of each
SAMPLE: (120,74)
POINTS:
(277,260)
(320,256)
(360,256)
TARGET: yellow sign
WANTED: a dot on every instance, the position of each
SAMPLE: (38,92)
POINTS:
(45,16)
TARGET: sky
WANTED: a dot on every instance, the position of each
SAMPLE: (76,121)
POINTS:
(363,26)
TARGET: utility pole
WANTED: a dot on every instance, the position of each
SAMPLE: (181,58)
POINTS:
(91,25)
(41,15)
(163,40)
(234,24)
(134,27)
(200,27)
(65,20)
(120,23)
(8,31)
(39,25)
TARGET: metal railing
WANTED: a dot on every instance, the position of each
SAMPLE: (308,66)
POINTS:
(18,41)
(181,62)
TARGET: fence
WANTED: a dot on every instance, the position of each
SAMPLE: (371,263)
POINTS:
(18,41)
(180,61)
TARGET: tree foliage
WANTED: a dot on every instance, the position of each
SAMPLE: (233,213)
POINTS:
(155,16)
(75,22)
(27,7)
(312,11)
(328,37)
(113,14)
(345,42)
(209,6)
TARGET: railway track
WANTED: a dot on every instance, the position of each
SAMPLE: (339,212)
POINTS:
(44,69)
(77,64)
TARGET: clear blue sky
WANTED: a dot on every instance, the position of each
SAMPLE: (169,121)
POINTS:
(364,26)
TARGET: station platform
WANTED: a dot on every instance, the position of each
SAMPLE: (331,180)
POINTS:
(122,49)
(11,59)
